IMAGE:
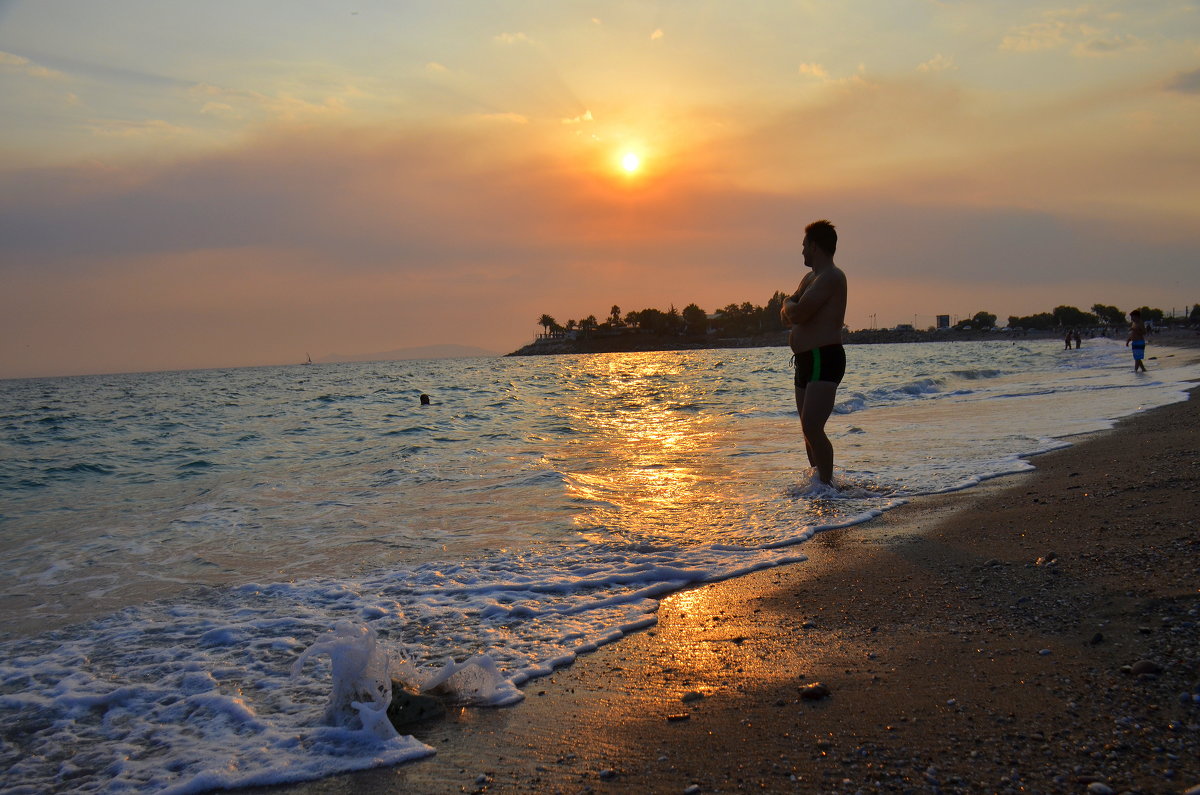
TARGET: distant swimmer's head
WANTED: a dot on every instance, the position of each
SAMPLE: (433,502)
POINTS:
(821,234)
(424,400)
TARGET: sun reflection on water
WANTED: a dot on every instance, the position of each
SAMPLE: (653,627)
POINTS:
(671,450)
(651,460)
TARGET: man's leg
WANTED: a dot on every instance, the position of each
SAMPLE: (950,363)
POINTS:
(800,391)
(815,408)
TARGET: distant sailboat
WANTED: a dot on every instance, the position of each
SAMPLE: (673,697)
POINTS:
(309,356)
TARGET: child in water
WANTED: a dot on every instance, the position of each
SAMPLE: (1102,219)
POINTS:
(1137,340)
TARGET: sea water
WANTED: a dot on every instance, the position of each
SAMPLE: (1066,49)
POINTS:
(194,560)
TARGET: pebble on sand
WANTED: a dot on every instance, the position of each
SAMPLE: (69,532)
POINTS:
(1145,667)
(815,692)
(407,708)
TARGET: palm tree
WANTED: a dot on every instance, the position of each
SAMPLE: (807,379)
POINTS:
(547,322)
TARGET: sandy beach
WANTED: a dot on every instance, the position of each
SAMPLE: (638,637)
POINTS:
(1039,633)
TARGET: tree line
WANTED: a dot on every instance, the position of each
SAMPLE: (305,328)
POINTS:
(1101,315)
(735,320)
(747,319)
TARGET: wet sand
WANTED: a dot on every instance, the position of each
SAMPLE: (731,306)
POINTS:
(1039,633)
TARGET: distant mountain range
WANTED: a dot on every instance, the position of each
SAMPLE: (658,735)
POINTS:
(424,352)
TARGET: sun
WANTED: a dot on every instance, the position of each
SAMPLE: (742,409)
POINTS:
(630,162)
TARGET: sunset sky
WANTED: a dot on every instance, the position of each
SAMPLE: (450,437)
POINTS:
(210,184)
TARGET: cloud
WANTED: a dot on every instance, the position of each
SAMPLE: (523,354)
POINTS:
(1185,82)
(814,70)
(139,128)
(219,109)
(656,35)
(513,38)
(580,119)
(939,142)
(1102,47)
(21,65)
(364,198)
(427,201)
(285,107)
(1036,36)
(1085,30)
(938,63)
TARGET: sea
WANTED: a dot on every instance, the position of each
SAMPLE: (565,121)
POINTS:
(210,577)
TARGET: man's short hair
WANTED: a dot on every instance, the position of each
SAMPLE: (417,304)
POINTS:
(1136,313)
(823,234)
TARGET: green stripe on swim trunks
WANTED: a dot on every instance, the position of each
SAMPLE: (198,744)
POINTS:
(816,371)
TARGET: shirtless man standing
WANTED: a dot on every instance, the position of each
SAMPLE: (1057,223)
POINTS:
(816,313)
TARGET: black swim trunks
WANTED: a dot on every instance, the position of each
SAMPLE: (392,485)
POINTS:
(827,363)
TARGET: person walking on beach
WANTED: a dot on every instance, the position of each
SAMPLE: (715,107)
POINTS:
(816,313)
(1137,340)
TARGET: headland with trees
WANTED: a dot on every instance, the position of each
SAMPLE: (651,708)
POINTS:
(747,325)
